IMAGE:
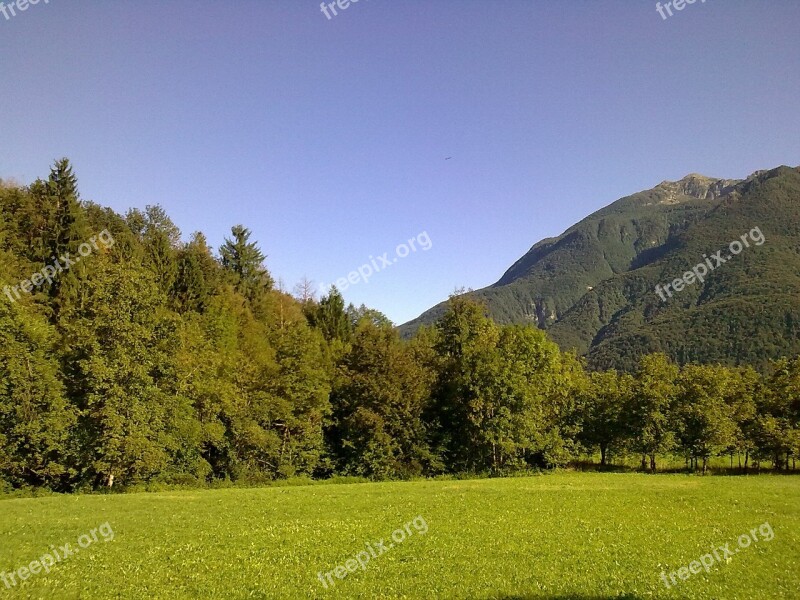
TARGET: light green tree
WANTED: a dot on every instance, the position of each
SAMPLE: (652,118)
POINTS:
(705,423)
(650,410)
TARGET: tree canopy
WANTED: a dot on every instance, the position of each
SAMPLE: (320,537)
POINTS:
(158,360)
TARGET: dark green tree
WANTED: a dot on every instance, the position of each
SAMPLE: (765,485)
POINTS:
(245,261)
(197,276)
(603,423)
(331,318)
(36,421)
(117,365)
(381,392)
(161,240)
(64,226)
(466,340)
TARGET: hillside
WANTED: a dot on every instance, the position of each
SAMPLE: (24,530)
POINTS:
(593,287)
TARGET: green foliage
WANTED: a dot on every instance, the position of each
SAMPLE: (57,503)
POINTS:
(331,318)
(381,392)
(706,425)
(197,276)
(603,412)
(245,262)
(777,427)
(301,388)
(161,238)
(36,421)
(58,212)
(505,395)
(651,407)
(154,362)
(119,338)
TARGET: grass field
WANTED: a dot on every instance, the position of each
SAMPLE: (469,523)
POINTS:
(562,535)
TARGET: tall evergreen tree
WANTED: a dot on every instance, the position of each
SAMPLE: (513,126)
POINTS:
(161,240)
(331,318)
(59,198)
(245,261)
(197,276)
(57,228)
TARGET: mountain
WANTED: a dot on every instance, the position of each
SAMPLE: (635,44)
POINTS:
(593,288)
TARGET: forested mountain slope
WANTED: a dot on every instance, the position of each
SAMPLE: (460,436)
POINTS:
(593,287)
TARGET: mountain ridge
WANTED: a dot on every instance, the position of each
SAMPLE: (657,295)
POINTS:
(586,285)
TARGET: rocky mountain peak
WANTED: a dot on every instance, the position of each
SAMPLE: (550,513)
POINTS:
(697,186)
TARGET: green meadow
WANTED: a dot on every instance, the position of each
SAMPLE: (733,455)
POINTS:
(561,535)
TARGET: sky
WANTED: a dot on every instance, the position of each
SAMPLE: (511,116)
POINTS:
(474,127)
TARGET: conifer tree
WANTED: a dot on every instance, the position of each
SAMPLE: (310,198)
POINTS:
(245,261)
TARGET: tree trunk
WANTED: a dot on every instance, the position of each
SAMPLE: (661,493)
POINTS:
(653,463)
(705,463)
(746,458)
(644,462)
(602,455)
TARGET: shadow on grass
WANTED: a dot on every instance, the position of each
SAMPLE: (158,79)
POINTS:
(593,467)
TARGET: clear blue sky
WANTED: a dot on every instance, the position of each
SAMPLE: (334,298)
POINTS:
(328,138)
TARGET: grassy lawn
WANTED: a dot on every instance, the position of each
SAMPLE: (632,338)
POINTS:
(564,535)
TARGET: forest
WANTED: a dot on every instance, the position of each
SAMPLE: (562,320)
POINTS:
(154,359)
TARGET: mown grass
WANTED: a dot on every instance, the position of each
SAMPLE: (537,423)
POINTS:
(563,535)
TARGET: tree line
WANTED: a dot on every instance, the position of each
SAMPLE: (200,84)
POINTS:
(157,360)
